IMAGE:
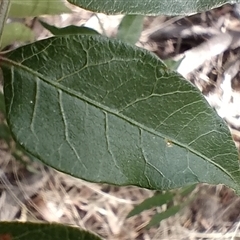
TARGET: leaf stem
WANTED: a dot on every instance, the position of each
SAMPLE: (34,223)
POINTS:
(4,8)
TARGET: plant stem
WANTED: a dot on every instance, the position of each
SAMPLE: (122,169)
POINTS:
(4,7)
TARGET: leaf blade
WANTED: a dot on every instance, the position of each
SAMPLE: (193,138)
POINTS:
(16,32)
(133,125)
(150,7)
(4,8)
(155,201)
(42,231)
(68,30)
(157,218)
(130,28)
(32,8)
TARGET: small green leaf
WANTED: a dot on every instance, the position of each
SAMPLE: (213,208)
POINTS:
(4,130)
(187,190)
(68,30)
(2,104)
(42,231)
(157,218)
(171,64)
(4,9)
(150,7)
(106,111)
(32,8)
(155,201)
(130,28)
(5,133)
(16,32)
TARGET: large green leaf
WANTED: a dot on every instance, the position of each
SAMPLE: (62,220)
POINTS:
(21,8)
(150,7)
(106,111)
(42,231)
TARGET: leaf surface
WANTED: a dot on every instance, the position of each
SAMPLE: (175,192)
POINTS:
(149,7)
(130,28)
(32,8)
(42,231)
(157,218)
(154,201)
(106,111)
(68,30)
(16,32)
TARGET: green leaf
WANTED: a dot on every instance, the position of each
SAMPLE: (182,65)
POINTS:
(150,7)
(130,28)
(16,32)
(4,9)
(171,64)
(106,111)
(5,134)
(2,104)
(4,130)
(68,30)
(42,231)
(32,8)
(157,218)
(187,190)
(155,201)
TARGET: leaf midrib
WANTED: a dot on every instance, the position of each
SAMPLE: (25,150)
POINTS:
(9,62)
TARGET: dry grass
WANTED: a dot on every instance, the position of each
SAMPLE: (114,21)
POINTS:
(64,199)
(47,195)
